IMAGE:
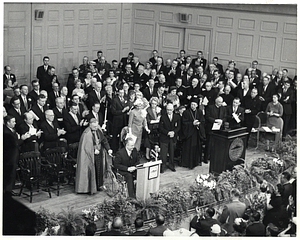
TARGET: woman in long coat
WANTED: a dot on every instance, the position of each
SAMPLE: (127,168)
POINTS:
(193,134)
(90,159)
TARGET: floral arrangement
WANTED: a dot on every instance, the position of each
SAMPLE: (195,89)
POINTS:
(45,221)
(90,215)
(207,180)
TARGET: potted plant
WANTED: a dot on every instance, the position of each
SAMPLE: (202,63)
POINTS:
(46,221)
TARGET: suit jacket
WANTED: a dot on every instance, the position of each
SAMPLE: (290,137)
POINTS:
(120,118)
(165,126)
(232,122)
(158,231)
(203,62)
(203,226)
(99,118)
(51,97)
(220,68)
(212,114)
(28,144)
(71,84)
(72,128)
(210,95)
(59,116)
(33,95)
(49,135)
(29,102)
(160,70)
(267,95)
(112,233)
(122,161)
(254,83)
(232,211)
(147,94)
(258,72)
(254,104)
(240,95)
(136,66)
(141,79)
(105,66)
(17,116)
(171,77)
(256,229)
(41,115)
(287,105)
(12,78)
(92,98)
(228,98)
(185,81)
(123,63)
(41,73)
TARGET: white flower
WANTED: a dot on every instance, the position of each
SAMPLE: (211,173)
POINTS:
(95,218)
(198,179)
(86,212)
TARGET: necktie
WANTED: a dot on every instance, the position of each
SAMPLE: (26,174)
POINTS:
(45,67)
(170,117)
(75,118)
(25,103)
(98,95)
(19,111)
(150,91)
(8,76)
(42,109)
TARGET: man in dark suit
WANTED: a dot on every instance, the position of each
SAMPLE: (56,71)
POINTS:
(99,55)
(252,106)
(119,109)
(39,109)
(199,60)
(235,114)
(253,80)
(245,90)
(125,161)
(117,224)
(11,143)
(232,210)
(95,113)
(35,92)
(169,126)
(136,64)
(60,111)
(30,143)
(149,90)
(256,228)
(254,67)
(160,69)
(287,188)
(74,124)
(126,60)
(187,78)
(138,224)
(203,224)
(181,91)
(95,96)
(218,65)
(51,131)
(103,64)
(215,113)
(71,81)
(140,77)
(16,111)
(160,227)
(128,76)
(173,73)
(84,67)
(42,72)
(265,92)
(9,76)
(160,94)
(210,94)
(25,100)
(52,95)
(153,59)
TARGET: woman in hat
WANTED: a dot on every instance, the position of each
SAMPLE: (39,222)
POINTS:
(193,135)
(137,121)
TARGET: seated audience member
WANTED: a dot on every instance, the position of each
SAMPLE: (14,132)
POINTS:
(239,227)
(16,111)
(235,114)
(51,131)
(125,161)
(187,78)
(138,224)
(209,93)
(64,95)
(90,229)
(116,228)
(254,81)
(73,124)
(194,90)
(245,90)
(83,111)
(126,60)
(160,94)
(227,96)
(291,229)
(203,224)
(34,133)
(115,68)
(218,65)
(160,227)
(232,210)
(60,112)
(256,228)
(53,95)
(35,92)
(79,90)
(232,67)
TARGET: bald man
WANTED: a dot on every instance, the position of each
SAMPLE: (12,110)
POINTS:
(116,226)
(95,96)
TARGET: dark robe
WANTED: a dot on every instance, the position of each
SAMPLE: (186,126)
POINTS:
(192,147)
(86,176)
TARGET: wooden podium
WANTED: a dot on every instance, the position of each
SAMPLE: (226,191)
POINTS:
(148,177)
(228,146)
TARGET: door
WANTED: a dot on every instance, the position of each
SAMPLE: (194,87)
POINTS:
(197,40)
(171,41)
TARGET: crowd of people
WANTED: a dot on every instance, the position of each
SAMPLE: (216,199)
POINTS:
(170,105)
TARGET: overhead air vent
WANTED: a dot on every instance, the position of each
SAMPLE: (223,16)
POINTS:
(38,15)
(185,18)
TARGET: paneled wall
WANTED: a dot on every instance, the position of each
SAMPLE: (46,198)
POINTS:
(239,35)
(66,33)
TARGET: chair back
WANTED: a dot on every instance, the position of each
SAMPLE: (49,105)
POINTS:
(30,164)
(72,150)
(56,157)
(263,118)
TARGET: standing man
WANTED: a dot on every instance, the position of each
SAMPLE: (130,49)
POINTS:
(42,72)
(16,111)
(25,100)
(95,96)
(199,60)
(252,105)
(72,79)
(265,92)
(235,114)
(84,67)
(169,126)
(60,111)
(9,76)
(39,109)
(53,94)
(126,60)
(35,92)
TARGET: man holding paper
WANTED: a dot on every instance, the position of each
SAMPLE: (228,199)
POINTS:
(215,116)
(235,114)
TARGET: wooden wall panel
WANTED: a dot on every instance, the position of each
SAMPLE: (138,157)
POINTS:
(288,53)
(143,34)
(267,48)
(244,45)
(223,43)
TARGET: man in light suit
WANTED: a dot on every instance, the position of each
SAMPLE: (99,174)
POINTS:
(169,126)
(232,210)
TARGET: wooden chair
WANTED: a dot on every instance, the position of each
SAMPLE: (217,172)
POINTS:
(58,161)
(71,162)
(32,175)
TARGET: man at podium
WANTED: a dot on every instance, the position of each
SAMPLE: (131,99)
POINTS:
(125,161)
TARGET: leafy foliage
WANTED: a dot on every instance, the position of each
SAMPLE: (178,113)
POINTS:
(201,195)
(45,219)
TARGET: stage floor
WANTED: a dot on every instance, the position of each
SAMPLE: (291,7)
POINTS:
(68,197)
